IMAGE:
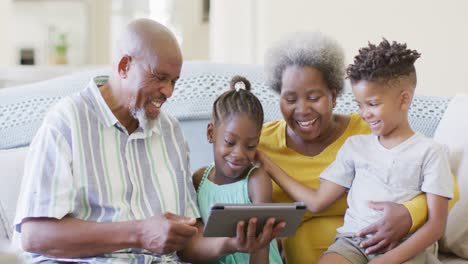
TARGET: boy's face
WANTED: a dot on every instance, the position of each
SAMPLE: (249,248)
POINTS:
(235,143)
(383,107)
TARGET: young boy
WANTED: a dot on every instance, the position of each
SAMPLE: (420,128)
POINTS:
(394,164)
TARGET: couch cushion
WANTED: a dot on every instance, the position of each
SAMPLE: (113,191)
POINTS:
(202,82)
(452,131)
(22,108)
(11,173)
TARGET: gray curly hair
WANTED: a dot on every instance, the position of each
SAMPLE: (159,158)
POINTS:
(313,49)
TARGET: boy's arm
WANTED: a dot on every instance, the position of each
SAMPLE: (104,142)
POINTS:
(315,200)
(430,232)
(417,207)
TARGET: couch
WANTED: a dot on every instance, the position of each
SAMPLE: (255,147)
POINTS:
(23,107)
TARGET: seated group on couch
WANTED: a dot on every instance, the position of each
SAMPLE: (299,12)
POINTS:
(107,178)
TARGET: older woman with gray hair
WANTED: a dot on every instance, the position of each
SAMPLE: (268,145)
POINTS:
(307,70)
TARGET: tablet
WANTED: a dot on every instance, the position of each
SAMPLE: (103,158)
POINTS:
(223,218)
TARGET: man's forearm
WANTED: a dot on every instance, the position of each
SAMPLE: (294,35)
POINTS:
(73,238)
(202,249)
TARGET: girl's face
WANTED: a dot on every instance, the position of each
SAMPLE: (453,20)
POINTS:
(234,142)
(306,103)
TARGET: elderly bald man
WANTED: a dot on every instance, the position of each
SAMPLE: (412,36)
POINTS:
(107,179)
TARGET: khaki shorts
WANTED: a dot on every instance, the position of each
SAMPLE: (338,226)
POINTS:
(347,245)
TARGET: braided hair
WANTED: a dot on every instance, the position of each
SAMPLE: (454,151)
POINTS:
(238,100)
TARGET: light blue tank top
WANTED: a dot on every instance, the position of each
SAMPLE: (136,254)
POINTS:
(209,193)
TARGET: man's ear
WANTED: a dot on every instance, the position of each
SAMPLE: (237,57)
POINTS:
(210,132)
(405,100)
(124,66)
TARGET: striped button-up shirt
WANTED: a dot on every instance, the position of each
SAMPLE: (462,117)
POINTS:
(82,163)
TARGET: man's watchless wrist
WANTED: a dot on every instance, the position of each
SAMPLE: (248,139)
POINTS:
(136,234)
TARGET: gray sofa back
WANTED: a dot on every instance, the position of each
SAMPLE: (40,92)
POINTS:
(22,108)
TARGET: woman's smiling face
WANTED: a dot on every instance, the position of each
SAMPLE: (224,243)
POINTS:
(306,103)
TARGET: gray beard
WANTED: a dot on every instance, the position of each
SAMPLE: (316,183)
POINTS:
(144,122)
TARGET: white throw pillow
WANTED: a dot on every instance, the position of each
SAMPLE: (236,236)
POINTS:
(453,132)
(11,173)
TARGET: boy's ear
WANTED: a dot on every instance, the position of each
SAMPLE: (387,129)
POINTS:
(124,66)
(210,132)
(405,100)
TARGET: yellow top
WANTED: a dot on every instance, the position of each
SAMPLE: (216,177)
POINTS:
(316,232)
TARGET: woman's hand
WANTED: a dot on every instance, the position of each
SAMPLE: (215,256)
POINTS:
(389,230)
(262,160)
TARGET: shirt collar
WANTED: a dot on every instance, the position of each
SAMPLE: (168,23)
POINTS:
(106,115)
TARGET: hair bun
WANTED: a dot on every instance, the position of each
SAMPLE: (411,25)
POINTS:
(239,82)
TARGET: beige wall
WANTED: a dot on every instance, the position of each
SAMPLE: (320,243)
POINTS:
(99,25)
(185,20)
(6,56)
(36,24)
(189,17)
(233,27)
(436,28)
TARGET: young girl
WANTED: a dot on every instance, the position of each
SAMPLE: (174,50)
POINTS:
(234,131)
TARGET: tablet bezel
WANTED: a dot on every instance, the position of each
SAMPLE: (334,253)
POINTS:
(223,218)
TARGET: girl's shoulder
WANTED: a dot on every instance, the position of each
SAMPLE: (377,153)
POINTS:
(259,186)
(256,172)
(197,176)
